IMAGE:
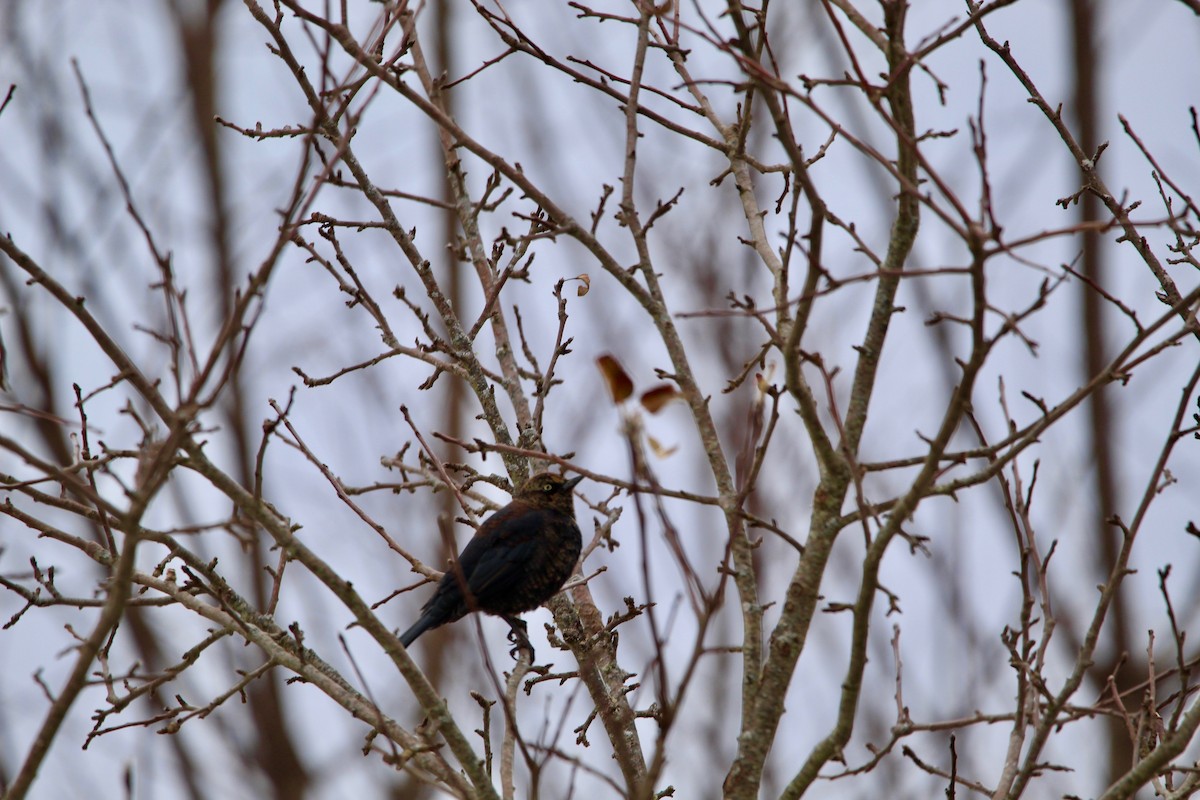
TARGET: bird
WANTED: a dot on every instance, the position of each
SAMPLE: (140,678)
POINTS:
(518,559)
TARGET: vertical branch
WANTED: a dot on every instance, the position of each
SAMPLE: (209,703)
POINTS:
(1102,428)
(466,214)
(508,746)
(904,228)
(851,687)
(110,617)
(789,637)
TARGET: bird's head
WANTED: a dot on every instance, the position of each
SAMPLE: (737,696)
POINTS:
(549,490)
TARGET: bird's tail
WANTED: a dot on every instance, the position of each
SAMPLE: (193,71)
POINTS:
(426,622)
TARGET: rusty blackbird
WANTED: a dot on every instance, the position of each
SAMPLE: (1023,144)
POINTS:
(520,557)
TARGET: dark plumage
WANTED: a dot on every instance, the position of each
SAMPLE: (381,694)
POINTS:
(520,557)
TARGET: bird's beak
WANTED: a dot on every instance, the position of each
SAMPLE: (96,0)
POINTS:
(570,484)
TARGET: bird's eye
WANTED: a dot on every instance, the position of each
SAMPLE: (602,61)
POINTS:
(547,487)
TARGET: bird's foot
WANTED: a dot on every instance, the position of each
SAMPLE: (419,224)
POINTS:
(518,635)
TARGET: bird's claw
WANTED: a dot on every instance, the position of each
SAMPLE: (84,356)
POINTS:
(517,634)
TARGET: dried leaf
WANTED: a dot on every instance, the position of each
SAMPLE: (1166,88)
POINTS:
(659,449)
(654,399)
(619,384)
(585,284)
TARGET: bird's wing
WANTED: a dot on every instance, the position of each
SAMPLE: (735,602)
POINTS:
(501,552)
